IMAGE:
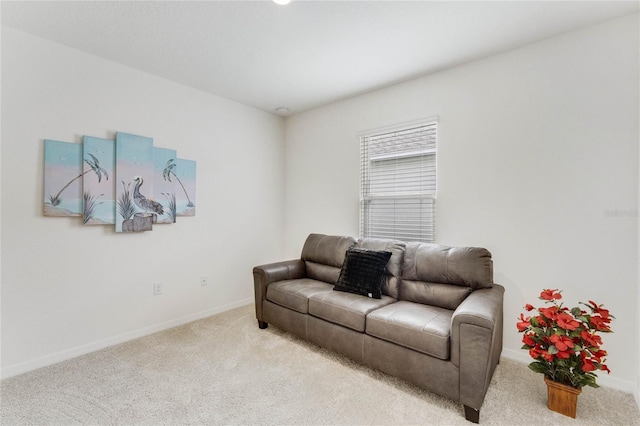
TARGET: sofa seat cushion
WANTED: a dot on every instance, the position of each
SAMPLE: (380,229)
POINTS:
(294,294)
(345,309)
(422,328)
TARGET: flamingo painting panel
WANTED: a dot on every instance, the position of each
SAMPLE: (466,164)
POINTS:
(185,176)
(62,178)
(99,186)
(163,188)
(134,183)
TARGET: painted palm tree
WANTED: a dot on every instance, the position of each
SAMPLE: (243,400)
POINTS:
(166,174)
(94,163)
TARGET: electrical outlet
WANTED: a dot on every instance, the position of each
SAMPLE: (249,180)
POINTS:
(157,289)
(204,281)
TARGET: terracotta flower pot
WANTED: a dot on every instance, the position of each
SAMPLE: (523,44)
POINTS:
(562,398)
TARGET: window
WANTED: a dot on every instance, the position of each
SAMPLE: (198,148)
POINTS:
(398,182)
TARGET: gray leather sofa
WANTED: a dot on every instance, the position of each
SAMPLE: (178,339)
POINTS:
(438,323)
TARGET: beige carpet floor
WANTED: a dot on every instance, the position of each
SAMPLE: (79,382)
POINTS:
(224,370)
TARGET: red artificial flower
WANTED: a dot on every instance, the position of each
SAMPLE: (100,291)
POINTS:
(527,340)
(563,355)
(528,307)
(598,309)
(561,342)
(550,294)
(605,368)
(546,355)
(524,323)
(591,338)
(550,313)
(599,323)
(541,321)
(567,322)
(599,354)
(535,352)
(587,365)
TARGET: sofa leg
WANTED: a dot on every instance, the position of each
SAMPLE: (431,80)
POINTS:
(262,325)
(471,414)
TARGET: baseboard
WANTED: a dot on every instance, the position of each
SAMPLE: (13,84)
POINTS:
(603,379)
(24,367)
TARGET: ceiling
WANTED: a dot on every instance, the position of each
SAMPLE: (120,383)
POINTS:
(306,54)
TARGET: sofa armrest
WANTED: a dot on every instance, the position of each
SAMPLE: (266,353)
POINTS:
(476,342)
(264,275)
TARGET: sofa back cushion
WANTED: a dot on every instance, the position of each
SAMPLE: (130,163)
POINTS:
(393,271)
(323,256)
(443,276)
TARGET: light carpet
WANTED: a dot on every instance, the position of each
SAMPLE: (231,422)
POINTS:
(225,370)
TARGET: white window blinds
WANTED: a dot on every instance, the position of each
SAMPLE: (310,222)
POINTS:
(398,183)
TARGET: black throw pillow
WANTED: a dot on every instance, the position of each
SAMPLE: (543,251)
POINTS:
(362,272)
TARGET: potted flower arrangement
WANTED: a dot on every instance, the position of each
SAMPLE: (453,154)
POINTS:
(566,346)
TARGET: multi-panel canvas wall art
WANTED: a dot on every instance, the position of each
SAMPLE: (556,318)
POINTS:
(126,182)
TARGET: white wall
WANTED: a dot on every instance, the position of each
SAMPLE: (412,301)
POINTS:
(68,289)
(535,146)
